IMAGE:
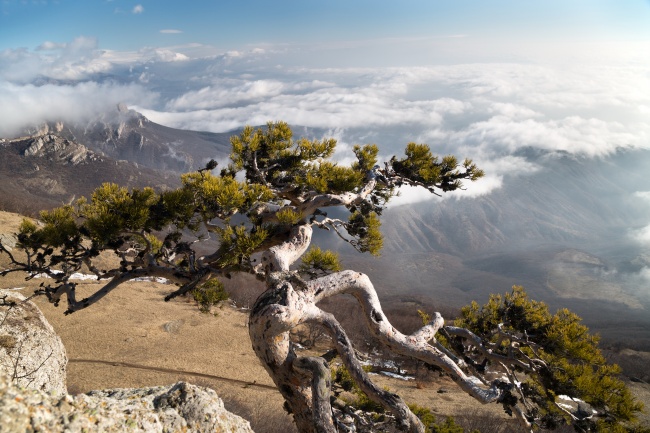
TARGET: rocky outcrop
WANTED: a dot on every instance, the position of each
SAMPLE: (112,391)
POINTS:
(33,395)
(8,240)
(176,408)
(125,134)
(53,146)
(30,351)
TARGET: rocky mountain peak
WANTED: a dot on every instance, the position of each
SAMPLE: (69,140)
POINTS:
(125,134)
(55,147)
(43,129)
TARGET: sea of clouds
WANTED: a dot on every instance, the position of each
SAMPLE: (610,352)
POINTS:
(587,105)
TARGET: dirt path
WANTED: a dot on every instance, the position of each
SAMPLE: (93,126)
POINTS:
(245,384)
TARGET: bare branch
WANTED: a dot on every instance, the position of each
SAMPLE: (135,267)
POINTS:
(335,224)
(321,385)
(346,351)
(489,353)
(361,288)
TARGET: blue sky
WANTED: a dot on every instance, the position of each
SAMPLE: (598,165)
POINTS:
(227,25)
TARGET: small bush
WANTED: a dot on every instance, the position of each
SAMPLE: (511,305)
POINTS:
(317,262)
(209,293)
(343,378)
(449,425)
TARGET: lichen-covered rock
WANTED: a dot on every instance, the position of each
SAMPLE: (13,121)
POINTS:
(53,146)
(33,396)
(8,240)
(30,351)
(177,408)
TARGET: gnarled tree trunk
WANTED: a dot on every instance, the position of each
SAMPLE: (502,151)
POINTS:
(305,382)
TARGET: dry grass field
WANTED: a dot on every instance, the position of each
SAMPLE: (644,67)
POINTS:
(132,338)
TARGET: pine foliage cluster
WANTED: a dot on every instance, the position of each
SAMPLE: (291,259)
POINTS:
(573,365)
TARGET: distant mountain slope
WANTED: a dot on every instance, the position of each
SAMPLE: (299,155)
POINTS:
(568,200)
(127,135)
(565,232)
(47,171)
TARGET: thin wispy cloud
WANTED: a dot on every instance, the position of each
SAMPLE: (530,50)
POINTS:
(171,31)
(49,45)
(137,9)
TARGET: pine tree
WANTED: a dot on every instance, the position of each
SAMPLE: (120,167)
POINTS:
(262,208)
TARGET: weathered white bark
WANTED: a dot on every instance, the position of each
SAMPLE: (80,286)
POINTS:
(289,302)
(321,385)
(280,258)
(415,345)
(283,307)
(274,314)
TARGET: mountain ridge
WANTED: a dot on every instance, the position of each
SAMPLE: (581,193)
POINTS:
(125,134)
(565,201)
(45,171)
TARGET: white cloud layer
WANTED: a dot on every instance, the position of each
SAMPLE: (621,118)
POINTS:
(77,60)
(490,111)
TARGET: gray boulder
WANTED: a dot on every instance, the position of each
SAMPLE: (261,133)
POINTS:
(33,394)
(8,240)
(30,351)
(175,408)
